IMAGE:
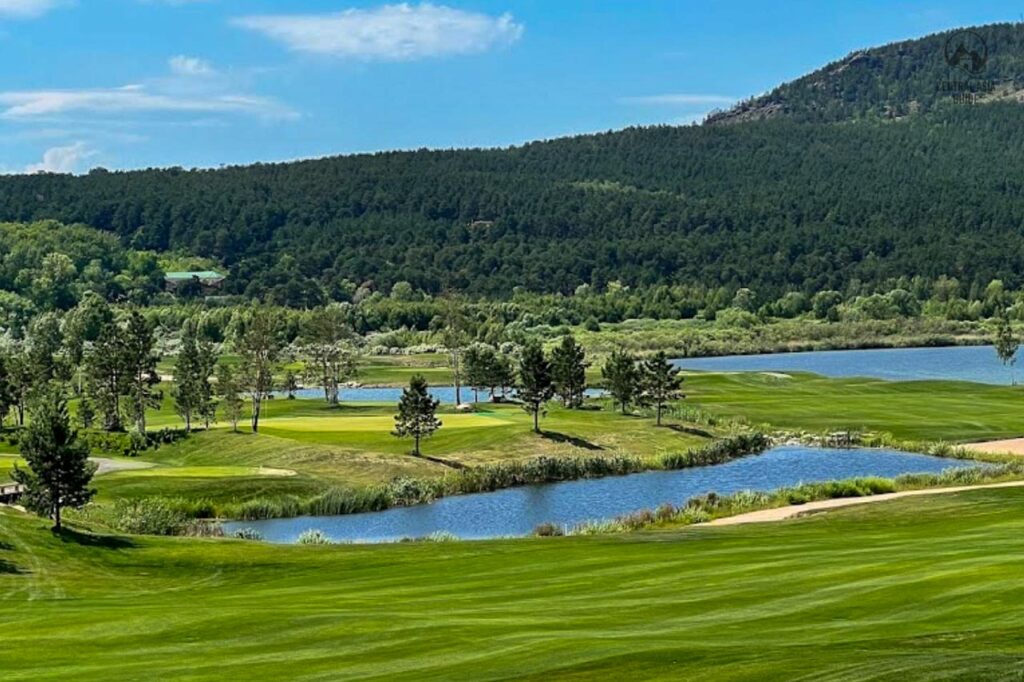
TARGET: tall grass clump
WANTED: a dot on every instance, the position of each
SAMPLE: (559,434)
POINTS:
(313,537)
(151,516)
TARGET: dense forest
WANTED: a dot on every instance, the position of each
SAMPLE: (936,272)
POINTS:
(899,79)
(787,204)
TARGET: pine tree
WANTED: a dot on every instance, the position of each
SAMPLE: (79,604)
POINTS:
(59,471)
(535,387)
(660,383)
(621,378)
(207,357)
(140,368)
(8,397)
(106,376)
(231,402)
(186,376)
(569,372)
(416,416)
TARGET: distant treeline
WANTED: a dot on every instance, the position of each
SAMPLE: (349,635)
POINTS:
(775,206)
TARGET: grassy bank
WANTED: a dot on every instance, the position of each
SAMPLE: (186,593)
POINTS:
(910,589)
(952,411)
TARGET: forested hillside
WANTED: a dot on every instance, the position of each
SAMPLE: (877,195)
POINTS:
(776,205)
(899,79)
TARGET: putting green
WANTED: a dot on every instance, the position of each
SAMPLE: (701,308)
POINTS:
(377,424)
(201,472)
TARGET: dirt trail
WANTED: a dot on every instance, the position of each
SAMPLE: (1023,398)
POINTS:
(791,512)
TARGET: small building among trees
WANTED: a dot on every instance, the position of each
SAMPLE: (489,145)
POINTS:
(194,282)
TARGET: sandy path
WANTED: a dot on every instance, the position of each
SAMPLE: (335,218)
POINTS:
(1010,446)
(791,512)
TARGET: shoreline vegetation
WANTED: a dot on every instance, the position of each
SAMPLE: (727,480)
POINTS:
(711,506)
(170,516)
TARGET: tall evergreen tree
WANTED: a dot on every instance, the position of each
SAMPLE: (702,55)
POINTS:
(206,354)
(140,368)
(59,471)
(535,386)
(231,402)
(416,416)
(659,383)
(186,390)
(107,377)
(621,378)
(569,372)
(8,396)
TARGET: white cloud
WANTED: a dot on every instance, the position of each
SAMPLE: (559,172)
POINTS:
(62,159)
(190,66)
(390,33)
(25,9)
(131,98)
(680,99)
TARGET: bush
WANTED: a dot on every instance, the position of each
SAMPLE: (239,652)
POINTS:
(248,534)
(548,530)
(313,537)
(441,536)
(148,517)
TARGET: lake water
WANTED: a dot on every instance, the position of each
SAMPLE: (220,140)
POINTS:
(964,363)
(446,394)
(517,511)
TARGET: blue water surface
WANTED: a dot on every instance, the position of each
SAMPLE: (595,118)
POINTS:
(964,363)
(517,511)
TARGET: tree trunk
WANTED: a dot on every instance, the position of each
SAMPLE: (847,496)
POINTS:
(536,419)
(56,516)
(255,415)
(659,414)
(416,447)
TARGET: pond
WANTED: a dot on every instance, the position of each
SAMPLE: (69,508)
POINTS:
(964,363)
(517,511)
(361,394)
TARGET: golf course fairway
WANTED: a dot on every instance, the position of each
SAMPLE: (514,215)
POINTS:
(918,588)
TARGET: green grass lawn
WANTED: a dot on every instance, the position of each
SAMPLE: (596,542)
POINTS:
(924,588)
(913,410)
(352,446)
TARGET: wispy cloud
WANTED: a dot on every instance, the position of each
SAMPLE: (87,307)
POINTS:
(190,66)
(679,99)
(66,159)
(25,9)
(131,98)
(389,33)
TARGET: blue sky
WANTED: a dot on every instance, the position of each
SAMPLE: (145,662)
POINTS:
(136,83)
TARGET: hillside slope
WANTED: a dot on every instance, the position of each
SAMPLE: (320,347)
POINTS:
(899,79)
(788,203)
